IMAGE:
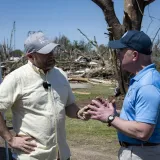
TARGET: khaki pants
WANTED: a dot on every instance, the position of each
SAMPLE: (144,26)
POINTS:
(139,153)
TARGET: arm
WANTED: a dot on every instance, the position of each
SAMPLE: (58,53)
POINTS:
(72,110)
(118,112)
(133,129)
(15,142)
(10,92)
(138,130)
(146,112)
(21,143)
(4,132)
(147,109)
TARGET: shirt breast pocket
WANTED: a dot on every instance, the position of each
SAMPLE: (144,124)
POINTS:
(35,97)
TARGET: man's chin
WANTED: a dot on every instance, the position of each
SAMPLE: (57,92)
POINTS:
(48,68)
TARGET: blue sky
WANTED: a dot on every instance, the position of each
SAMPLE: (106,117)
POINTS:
(58,17)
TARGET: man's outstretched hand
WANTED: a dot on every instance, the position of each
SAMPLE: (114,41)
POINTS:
(101,110)
(83,114)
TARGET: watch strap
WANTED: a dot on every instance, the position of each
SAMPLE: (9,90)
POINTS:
(110,121)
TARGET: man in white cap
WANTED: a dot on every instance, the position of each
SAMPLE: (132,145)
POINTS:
(40,96)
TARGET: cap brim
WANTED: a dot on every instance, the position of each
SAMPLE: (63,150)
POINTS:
(117,44)
(48,48)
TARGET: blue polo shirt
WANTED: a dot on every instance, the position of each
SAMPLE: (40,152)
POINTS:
(142,103)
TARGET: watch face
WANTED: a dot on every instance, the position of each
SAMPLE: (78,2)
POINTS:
(110,118)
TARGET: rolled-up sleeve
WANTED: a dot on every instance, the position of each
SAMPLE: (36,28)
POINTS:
(10,90)
(71,97)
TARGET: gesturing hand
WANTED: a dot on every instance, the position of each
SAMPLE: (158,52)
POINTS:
(83,114)
(24,143)
(99,111)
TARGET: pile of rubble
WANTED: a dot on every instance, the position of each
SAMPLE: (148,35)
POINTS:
(93,68)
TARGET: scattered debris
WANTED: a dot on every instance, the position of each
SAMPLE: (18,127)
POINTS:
(82,93)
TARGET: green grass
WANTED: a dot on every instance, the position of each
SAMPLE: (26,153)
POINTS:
(95,91)
(90,131)
(9,114)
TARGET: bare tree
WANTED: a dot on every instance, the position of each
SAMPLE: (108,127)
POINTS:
(133,15)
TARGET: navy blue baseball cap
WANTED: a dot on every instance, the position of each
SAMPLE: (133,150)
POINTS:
(133,39)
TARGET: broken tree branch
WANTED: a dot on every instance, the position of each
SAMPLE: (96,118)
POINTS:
(107,7)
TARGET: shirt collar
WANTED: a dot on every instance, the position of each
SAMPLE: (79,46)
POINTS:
(36,69)
(142,73)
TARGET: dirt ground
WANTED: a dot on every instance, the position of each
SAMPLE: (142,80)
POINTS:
(94,152)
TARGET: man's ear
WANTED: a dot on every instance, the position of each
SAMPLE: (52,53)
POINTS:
(135,55)
(29,56)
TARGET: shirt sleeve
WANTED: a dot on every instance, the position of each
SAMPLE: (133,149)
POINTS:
(71,97)
(147,105)
(9,92)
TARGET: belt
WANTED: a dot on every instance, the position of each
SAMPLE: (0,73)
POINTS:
(126,144)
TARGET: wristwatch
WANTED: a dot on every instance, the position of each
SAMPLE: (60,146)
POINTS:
(110,119)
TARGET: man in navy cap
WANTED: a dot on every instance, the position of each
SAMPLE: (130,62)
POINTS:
(139,123)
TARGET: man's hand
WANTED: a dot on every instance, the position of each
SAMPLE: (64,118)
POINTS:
(23,143)
(83,114)
(100,111)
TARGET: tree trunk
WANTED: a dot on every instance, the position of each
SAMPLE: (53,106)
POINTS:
(133,14)
(107,7)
